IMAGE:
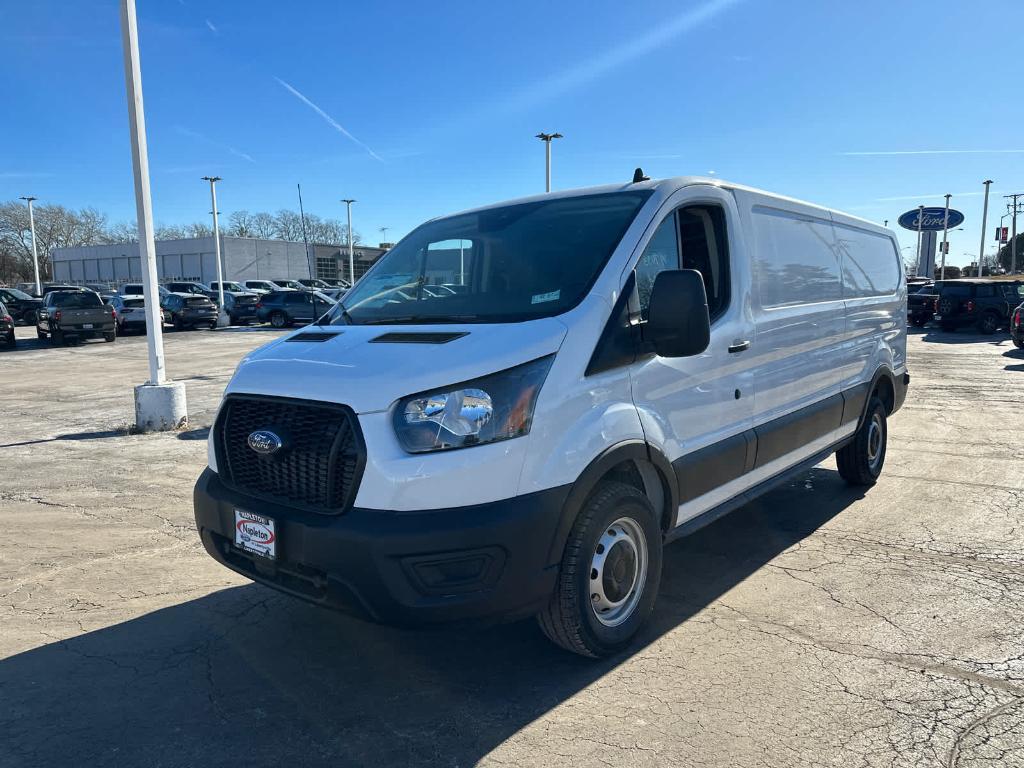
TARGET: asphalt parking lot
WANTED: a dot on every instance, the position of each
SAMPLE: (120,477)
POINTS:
(819,626)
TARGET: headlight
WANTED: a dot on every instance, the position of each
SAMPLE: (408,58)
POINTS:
(495,407)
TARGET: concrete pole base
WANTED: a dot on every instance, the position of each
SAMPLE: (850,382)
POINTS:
(223,320)
(160,407)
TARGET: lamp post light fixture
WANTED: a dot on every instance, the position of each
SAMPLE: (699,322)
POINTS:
(35,254)
(547,138)
(351,259)
(222,317)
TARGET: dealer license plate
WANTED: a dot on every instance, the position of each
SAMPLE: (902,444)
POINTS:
(255,533)
(87,325)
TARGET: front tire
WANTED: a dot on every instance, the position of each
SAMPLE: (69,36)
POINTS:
(860,461)
(609,575)
(278,320)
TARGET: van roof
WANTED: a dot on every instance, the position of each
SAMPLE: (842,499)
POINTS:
(669,185)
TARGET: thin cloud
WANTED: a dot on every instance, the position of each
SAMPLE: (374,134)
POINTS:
(926,196)
(328,119)
(212,27)
(593,68)
(213,143)
(936,152)
(25,175)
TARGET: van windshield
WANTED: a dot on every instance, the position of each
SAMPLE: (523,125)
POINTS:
(507,264)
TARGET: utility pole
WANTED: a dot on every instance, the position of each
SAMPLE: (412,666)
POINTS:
(1013,232)
(35,255)
(351,259)
(222,318)
(384,234)
(159,404)
(945,243)
(984,223)
(547,138)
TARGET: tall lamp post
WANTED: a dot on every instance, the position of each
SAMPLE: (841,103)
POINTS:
(984,224)
(159,404)
(945,245)
(1013,234)
(35,255)
(222,318)
(547,138)
(384,234)
(351,258)
(920,222)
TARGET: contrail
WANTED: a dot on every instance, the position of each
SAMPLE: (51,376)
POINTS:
(330,120)
(938,152)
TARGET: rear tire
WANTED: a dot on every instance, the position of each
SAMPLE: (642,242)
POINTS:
(110,336)
(609,575)
(860,461)
(948,327)
(40,334)
(12,340)
(1018,343)
(989,323)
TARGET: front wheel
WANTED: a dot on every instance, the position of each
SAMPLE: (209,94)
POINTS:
(278,320)
(860,461)
(609,575)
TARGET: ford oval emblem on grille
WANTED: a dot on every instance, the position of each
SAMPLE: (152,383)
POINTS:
(265,442)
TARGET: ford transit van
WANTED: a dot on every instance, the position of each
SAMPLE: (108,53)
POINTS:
(609,369)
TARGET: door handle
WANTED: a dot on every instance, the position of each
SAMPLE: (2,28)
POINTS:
(739,346)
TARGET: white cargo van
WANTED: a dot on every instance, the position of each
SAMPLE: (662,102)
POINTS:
(604,370)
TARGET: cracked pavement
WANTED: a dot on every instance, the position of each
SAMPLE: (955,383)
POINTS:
(818,626)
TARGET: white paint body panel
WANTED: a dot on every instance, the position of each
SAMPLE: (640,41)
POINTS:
(797,355)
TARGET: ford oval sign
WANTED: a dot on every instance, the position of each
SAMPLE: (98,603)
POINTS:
(934,219)
(265,442)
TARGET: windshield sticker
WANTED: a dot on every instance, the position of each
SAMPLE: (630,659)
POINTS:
(540,298)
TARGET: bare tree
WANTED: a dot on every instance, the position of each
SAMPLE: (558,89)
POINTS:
(287,225)
(240,224)
(263,225)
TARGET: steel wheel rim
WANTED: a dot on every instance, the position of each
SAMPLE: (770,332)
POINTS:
(875,432)
(618,572)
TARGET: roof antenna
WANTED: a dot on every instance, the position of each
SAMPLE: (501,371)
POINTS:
(638,176)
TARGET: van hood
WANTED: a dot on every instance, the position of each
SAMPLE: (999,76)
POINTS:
(369,367)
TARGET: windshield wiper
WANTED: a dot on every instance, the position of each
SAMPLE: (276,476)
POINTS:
(418,319)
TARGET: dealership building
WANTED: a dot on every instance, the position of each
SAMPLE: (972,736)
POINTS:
(244,258)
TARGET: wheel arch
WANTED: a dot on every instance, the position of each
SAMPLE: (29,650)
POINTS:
(633,462)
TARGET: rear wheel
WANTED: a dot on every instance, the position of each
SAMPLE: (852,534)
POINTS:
(57,338)
(112,336)
(40,334)
(12,340)
(609,575)
(948,327)
(860,461)
(178,325)
(1018,343)
(989,323)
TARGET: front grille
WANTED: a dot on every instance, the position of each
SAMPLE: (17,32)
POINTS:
(319,465)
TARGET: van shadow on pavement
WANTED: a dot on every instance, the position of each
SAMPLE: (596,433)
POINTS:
(245,676)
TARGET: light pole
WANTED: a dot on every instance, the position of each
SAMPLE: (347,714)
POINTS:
(945,235)
(351,259)
(159,404)
(984,223)
(384,234)
(1013,233)
(222,318)
(35,255)
(547,138)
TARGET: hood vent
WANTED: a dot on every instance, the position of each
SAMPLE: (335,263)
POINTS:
(413,337)
(314,336)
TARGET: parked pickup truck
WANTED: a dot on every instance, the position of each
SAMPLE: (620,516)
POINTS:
(75,314)
(920,303)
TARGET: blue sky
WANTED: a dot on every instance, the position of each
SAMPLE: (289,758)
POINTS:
(419,109)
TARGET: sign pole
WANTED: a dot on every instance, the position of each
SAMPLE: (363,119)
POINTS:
(920,221)
(945,234)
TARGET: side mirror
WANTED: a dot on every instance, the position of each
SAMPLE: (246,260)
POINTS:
(678,324)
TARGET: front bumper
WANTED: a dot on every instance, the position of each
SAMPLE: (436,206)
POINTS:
(481,563)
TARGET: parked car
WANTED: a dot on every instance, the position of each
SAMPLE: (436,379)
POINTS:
(131,313)
(334,294)
(628,364)
(20,305)
(261,286)
(295,285)
(229,285)
(7,327)
(920,303)
(337,282)
(985,304)
(30,289)
(313,283)
(1017,326)
(188,286)
(75,315)
(189,310)
(135,289)
(284,308)
(51,287)
(241,306)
